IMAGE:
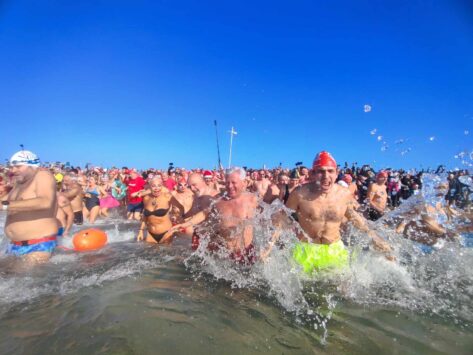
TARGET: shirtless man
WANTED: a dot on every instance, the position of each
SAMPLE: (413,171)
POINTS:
(261,185)
(229,217)
(233,211)
(421,225)
(305,176)
(64,215)
(185,197)
(73,191)
(31,206)
(204,194)
(377,197)
(274,190)
(320,207)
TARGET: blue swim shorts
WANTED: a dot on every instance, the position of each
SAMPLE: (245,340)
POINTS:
(20,250)
(135,207)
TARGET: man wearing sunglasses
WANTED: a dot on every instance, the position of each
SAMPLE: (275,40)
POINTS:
(31,205)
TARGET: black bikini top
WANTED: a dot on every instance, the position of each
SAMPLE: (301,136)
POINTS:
(161,212)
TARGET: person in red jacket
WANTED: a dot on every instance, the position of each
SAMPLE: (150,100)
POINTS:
(135,201)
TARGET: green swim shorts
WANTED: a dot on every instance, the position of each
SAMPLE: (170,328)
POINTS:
(320,256)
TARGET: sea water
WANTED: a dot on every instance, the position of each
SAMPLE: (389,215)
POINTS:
(137,298)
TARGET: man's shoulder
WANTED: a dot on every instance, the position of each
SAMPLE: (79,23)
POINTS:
(250,196)
(302,190)
(341,192)
(44,175)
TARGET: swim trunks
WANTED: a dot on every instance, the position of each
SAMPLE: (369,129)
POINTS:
(46,244)
(316,257)
(247,256)
(374,214)
(135,207)
(78,218)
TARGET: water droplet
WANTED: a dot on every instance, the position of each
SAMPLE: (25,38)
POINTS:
(373,132)
(432,138)
(367,108)
(466,132)
(380,138)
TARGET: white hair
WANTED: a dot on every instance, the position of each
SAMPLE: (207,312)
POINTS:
(241,172)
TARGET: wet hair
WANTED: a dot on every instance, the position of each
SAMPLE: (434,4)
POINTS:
(241,172)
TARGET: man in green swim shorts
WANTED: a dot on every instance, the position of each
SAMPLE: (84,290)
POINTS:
(321,206)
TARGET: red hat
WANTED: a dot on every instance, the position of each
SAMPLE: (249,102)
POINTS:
(324,159)
(382,173)
(208,173)
(347,178)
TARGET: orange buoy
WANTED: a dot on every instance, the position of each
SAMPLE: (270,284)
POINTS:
(89,239)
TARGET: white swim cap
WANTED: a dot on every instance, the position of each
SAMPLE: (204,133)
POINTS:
(24,157)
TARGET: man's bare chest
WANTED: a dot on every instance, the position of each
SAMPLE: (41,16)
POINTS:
(327,210)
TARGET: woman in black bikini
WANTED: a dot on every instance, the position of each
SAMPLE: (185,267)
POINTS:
(155,216)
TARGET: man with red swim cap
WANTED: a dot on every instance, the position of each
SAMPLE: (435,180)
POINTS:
(324,159)
(321,206)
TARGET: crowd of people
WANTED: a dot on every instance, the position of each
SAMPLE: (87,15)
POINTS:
(43,203)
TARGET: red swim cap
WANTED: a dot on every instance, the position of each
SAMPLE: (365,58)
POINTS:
(347,178)
(382,173)
(324,159)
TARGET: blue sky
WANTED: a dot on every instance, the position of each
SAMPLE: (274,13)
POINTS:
(140,83)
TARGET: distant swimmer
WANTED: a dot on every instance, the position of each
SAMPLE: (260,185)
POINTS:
(377,196)
(185,197)
(73,191)
(421,225)
(91,207)
(31,205)
(204,196)
(262,184)
(64,215)
(156,218)
(320,208)
(135,184)
(278,190)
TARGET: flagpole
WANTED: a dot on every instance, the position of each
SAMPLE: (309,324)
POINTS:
(232,133)
(218,147)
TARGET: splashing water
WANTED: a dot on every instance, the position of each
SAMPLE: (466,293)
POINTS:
(439,284)
(417,281)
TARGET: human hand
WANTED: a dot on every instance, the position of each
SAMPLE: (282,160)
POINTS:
(381,245)
(140,236)
(168,235)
